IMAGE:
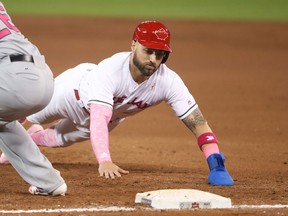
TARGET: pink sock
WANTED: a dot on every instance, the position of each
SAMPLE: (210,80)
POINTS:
(46,137)
(210,149)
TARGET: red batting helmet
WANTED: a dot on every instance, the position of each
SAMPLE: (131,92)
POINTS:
(153,34)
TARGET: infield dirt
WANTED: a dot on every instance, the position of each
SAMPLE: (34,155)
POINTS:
(237,72)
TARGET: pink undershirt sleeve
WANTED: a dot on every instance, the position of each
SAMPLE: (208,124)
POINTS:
(100,116)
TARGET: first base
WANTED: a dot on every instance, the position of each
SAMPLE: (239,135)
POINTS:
(182,199)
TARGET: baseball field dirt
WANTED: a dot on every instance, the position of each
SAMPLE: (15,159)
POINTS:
(237,72)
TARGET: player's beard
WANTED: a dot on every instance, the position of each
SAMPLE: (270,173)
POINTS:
(143,67)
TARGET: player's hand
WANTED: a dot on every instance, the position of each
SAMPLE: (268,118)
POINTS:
(218,175)
(110,170)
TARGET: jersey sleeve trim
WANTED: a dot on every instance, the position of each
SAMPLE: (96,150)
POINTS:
(188,111)
(101,102)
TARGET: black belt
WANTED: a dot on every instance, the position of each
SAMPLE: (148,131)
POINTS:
(25,58)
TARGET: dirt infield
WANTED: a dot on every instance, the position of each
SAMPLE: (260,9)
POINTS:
(238,74)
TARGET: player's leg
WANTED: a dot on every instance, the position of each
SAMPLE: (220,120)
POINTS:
(62,134)
(27,88)
(27,159)
(74,133)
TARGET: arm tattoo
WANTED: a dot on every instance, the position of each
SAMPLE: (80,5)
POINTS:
(194,120)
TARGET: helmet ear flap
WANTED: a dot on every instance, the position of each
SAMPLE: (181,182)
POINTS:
(165,57)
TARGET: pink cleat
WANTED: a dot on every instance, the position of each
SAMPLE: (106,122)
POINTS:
(3,159)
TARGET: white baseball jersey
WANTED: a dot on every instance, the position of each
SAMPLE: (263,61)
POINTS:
(110,83)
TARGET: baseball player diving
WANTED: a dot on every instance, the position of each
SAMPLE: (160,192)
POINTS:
(91,100)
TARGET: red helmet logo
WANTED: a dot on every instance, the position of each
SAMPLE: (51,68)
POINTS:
(153,34)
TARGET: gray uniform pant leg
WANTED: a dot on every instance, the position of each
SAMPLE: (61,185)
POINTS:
(25,88)
(26,158)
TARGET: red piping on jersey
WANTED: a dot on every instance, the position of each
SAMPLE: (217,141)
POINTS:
(78,99)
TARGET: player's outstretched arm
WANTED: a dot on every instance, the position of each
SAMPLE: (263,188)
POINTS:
(196,123)
(100,116)
(208,144)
